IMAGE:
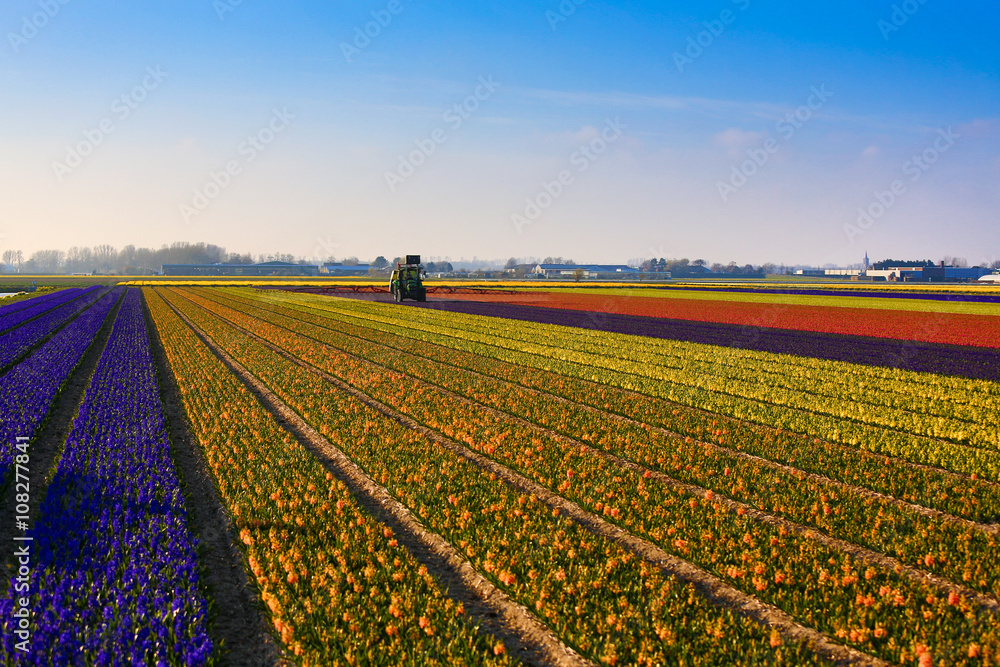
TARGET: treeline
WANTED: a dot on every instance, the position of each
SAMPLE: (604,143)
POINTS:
(682,268)
(106,259)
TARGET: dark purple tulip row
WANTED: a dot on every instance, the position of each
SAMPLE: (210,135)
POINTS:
(115,577)
(17,341)
(51,299)
(28,389)
(980,363)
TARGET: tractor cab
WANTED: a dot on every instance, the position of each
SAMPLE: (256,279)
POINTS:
(405,283)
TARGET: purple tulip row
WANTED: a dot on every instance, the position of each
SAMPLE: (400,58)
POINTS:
(28,389)
(115,576)
(17,341)
(13,314)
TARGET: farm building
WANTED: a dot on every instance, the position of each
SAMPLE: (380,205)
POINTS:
(344,270)
(262,269)
(589,270)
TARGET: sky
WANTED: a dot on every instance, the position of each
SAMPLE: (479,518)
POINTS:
(743,130)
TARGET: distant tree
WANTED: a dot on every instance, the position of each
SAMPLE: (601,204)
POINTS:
(380,262)
(46,261)
(511,263)
(995,264)
(352,261)
(698,262)
(769,268)
(9,258)
(578,275)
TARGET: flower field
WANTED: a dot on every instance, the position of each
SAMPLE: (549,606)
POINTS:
(953,328)
(420,486)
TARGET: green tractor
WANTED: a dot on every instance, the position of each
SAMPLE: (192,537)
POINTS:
(405,280)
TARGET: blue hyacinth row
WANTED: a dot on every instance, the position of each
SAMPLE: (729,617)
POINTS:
(17,341)
(28,389)
(115,580)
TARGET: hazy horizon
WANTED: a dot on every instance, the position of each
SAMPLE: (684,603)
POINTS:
(728,130)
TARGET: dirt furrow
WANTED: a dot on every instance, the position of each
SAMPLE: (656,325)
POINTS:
(526,637)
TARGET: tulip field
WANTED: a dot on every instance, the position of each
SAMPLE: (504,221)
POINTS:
(441,484)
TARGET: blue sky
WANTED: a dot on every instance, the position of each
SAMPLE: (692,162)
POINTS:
(604,131)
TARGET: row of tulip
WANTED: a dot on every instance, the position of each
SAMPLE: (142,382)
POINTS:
(959,495)
(338,586)
(598,368)
(29,388)
(873,608)
(16,313)
(15,342)
(958,551)
(595,595)
(114,576)
(797,383)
